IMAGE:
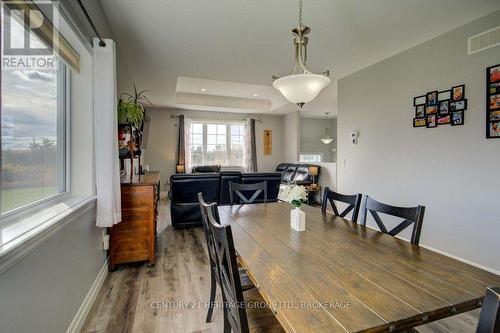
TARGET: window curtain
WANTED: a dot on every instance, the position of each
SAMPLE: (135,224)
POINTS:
(106,135)
(250,155)
(187,145)
(181,146)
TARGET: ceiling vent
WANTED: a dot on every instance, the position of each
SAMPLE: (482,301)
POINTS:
(484,40)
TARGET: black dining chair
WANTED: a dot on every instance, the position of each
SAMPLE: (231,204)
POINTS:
(354,202)
(212,257)
(236,317)
(412,215)
(241,189)
(489,319)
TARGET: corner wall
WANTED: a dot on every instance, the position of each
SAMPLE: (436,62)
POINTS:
(453,171)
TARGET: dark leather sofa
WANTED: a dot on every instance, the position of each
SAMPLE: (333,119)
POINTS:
(184,189)
(206,168)
(292,173)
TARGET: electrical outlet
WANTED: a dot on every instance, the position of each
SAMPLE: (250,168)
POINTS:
(105,242)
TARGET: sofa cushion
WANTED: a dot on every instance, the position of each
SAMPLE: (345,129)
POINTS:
(282,167)
(206,169)
(289,173)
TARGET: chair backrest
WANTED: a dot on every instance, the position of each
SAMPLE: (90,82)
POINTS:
(205,208)
(412,215)
(489,319)
(232,293)
(354,202)
(257,188)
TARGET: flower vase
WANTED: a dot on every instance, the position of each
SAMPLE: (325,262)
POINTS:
(298,219)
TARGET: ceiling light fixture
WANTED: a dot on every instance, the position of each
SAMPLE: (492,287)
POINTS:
(203,89)
(255,95)
(301,86)
(327,139)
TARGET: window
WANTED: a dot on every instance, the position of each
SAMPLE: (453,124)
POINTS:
(310,157)
(217,143)
(33,142)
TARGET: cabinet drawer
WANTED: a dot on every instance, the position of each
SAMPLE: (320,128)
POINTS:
(138,197)
(135,243)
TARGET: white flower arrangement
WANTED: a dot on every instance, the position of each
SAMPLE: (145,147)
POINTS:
(294,194)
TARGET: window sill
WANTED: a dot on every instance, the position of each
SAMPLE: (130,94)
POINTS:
(18,238)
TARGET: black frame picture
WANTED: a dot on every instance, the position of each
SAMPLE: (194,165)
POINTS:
(420,111)
(431,98)
(460,88)
(493,102)
(420,122)
(457,118)
(431,123)
(444,107)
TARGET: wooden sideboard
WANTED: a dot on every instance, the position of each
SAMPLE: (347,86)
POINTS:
(134,238)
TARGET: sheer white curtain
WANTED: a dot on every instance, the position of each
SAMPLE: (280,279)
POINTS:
(106,135)
(187,144)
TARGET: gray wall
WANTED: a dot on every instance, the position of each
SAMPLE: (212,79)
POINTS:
(160,154)
(453,171)
(43,291)
(311,132)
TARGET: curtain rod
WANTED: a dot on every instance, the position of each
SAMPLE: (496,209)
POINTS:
(216,119)
(101,41)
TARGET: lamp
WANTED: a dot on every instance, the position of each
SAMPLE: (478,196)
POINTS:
(327,139)
(180,168)
(313,170)
(301,86)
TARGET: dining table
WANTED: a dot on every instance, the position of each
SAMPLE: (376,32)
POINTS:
(340,276)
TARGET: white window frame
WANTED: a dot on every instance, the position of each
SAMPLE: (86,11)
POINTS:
(63,132)
(311,153)
(228,140)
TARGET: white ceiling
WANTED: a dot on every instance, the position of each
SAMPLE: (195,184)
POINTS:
(247,41)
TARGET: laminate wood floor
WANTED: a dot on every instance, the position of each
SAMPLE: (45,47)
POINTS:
(171,296)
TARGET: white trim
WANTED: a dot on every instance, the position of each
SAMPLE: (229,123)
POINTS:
(488,269)
(81,315)
(447,254)
(14,250)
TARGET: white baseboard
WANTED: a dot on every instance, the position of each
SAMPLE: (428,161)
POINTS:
(84,309)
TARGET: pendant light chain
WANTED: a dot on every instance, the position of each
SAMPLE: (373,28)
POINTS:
(300,14)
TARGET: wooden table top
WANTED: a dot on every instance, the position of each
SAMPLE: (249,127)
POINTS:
(339,276)
(147,179)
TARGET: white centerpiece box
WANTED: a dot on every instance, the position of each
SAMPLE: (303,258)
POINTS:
(296,195)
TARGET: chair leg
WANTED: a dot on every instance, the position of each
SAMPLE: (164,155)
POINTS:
(213,287)
(227,327)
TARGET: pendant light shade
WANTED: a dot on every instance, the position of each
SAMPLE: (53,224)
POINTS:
(301,86)
(326,139)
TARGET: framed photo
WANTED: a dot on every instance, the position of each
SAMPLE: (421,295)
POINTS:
(495,102)
(458,93)
(419,100)
(431,109)
(494,129)
(432,98)
(444,95)
(494,116)
(419,122)
(494,74)
(443,120)
(268,142)
(457,118)
(444,107)
(420,111)
(431,121)
(458,105)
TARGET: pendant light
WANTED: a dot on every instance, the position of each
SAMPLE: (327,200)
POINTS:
(301,86)
(327,139)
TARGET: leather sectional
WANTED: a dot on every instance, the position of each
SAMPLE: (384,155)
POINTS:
(184,189)
(297,173)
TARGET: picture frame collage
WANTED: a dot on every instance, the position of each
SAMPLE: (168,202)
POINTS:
(437,108)
(493,102)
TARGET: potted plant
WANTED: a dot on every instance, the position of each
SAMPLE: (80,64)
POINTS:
(132,108)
